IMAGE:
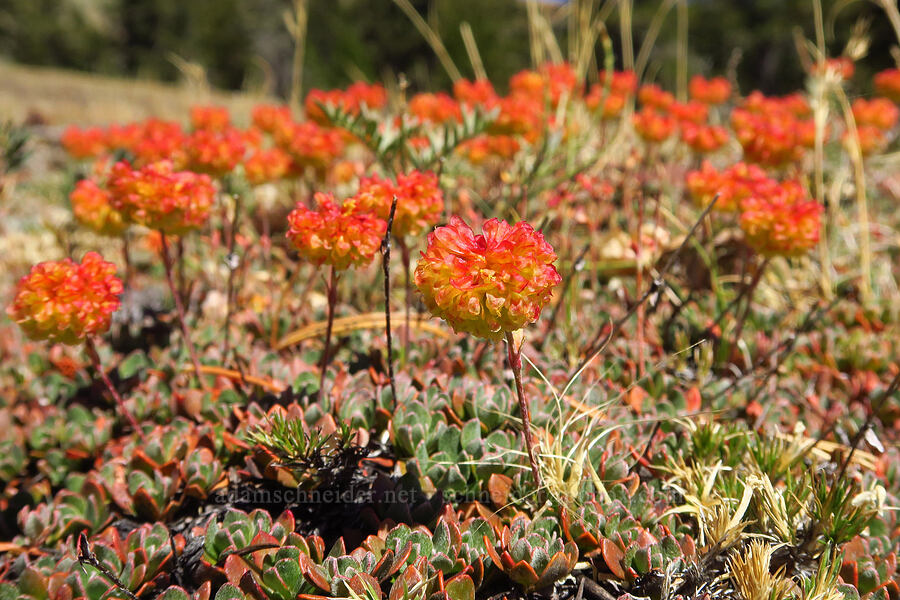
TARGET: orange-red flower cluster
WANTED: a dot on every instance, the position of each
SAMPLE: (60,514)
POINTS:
(272,119)
(336,235)
(373,96)
(617,87)
(703,139)
(652,125)
(654,96)
(310,145)
(773,131)
(520,114)
(709,91)
(733,185)
(216,152)
(84,143)
(420,201)
(887,83)
(785,223)
(613,104)
(877,112)
(159,197)
(264,166)
(689,112)
(487,284)
(155,140)
(482,147)
(554,79)
(434,108)
(210,118)
(92,207)
(475,93)
(64,301)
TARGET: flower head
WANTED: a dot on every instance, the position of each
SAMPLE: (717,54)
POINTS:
(92,207)
(213,151)
(783,224)
(655,97)
(653,126)
(336,235)
(210,118)
(733,185)
(487,284)
(64,301)
(84,143)
(420,201)
(887,83)
(271,118)
(475,93)
(267,165)
(159,197)
(613,103)
(157,140)
(703,138)
(877,112)
(709,91)
(435,108)
(310,145)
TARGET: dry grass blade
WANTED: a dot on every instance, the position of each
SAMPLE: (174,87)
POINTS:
(267,383)
(374,320)
(749,571)
(433,39)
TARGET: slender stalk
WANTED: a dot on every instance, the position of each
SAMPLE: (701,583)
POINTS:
(182,279)
(385,267)
(95,362)
(179,306)
(232,261)
(515,363)
(750,289)
(297,24)
(332,300)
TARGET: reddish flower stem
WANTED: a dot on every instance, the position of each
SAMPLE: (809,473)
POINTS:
(179,306)
(515,363)
(95,362)
(332,300)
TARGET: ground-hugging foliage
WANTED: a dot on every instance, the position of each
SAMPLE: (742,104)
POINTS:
(684,307)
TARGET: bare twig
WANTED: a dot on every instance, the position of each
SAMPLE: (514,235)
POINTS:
(385,267)
(87,557)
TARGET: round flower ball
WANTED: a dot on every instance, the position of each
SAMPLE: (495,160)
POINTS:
(336,235)
(420,201)
(784,224)
(64,301)
(487,284)
(159,197)
(92,207)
